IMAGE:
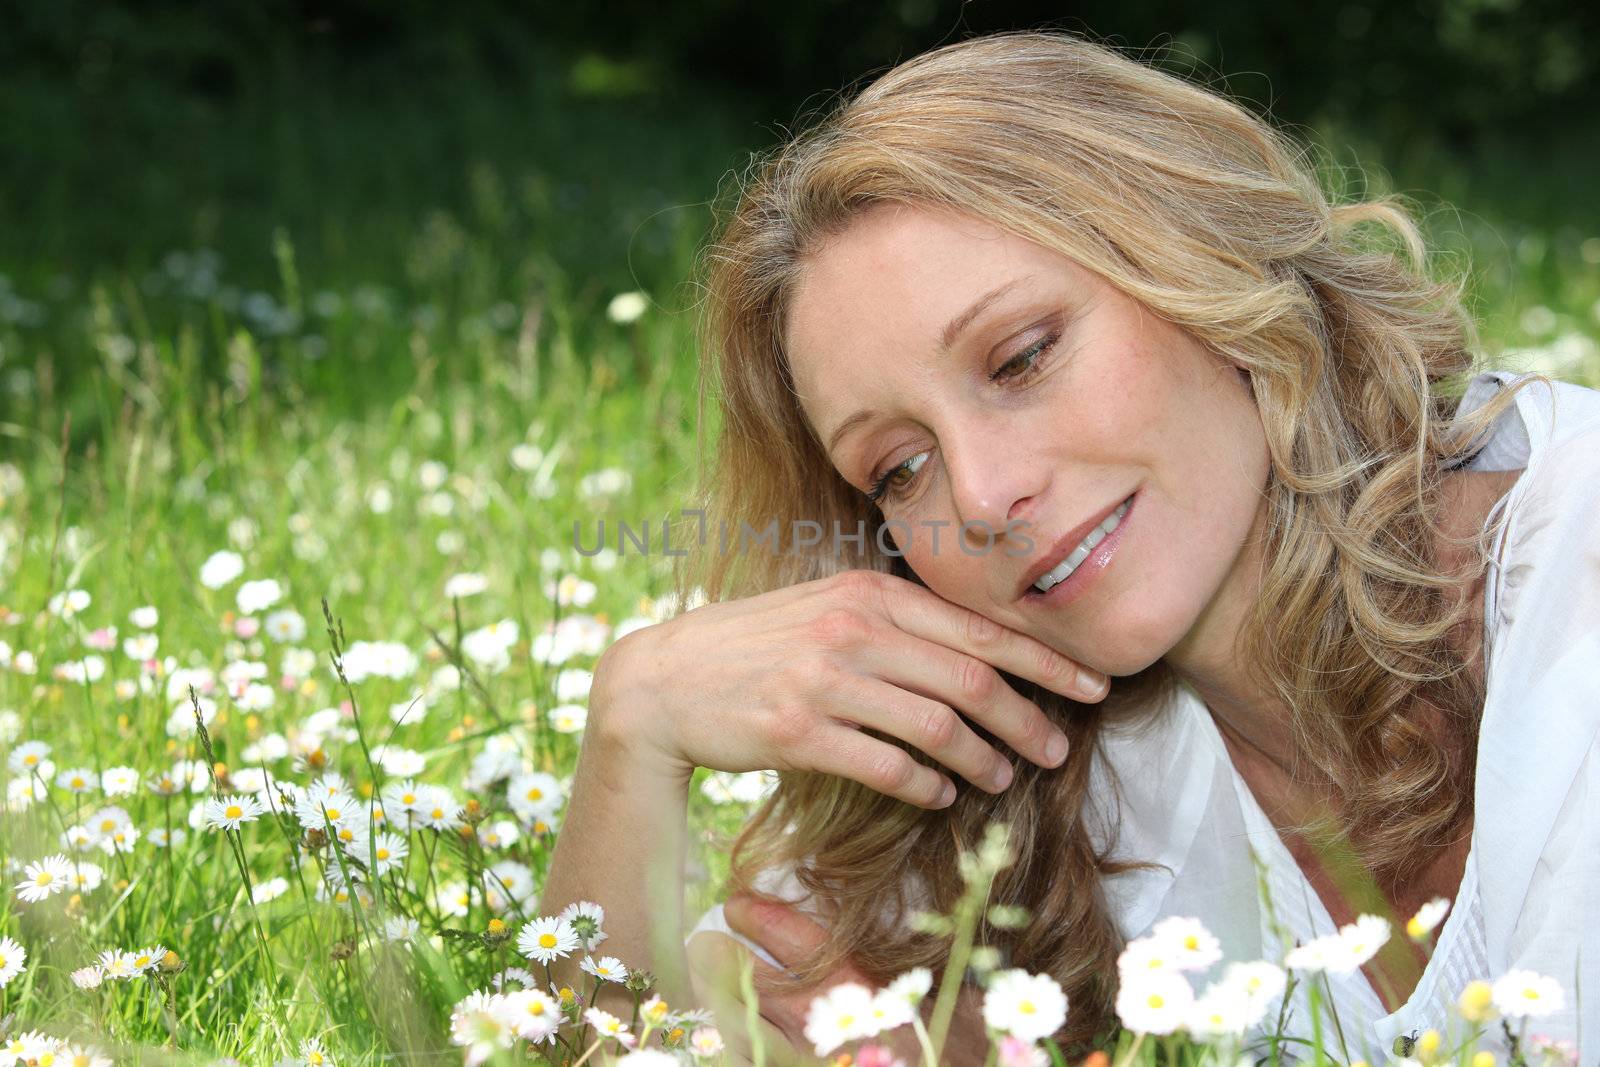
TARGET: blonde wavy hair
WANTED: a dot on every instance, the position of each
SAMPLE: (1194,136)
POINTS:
(1213,219)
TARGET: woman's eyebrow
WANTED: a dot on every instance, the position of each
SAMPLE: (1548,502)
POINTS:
(947,340)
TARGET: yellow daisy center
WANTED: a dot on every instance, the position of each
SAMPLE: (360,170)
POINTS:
(233,811)
(547,941)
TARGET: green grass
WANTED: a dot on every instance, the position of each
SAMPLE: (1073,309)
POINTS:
(168,400)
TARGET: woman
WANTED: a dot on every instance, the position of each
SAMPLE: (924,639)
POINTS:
(1018,291)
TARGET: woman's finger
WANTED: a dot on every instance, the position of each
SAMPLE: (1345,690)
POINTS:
(715,962)
(893,707)
(920,611)
(970,684)
(790,936)
(836,749)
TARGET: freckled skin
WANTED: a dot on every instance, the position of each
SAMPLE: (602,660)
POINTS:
(1124,401)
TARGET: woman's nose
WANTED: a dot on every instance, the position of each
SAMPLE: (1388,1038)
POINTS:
(994,483)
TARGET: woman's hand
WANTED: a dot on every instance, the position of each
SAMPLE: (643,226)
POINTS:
(785,681)
(790,935)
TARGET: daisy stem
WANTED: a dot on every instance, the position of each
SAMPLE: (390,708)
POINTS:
(929,1058)
(590,1052)
(1316,1024)
(1133,1049)
(166,814)
(966,921)
(752,1010)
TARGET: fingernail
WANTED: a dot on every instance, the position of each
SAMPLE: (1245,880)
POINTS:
(1093,685)
(948,796)
(1002,775)
(1055,749)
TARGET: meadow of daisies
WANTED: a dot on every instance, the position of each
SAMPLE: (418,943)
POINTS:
(296,642)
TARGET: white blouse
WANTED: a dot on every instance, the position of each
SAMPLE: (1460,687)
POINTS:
(1532,875)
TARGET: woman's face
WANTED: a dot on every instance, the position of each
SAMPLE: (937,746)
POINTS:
(1097,400)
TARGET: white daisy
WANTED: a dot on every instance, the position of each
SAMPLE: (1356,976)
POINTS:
(1154,1002)
(606,968)
(534,795)
(318,809)
(389,851)
(403,797)
(1360,941)
(1192,946)
(465,585)
(270,889)
(547,939)
(1146,955)
(69,603)
(313,1053)
(45,878)
(842,1013)
(1519,993)
(230,813)
(258,595)
(533,1014)
(568,718)
(913,985)
(220,568)
(122,839)
(478,1025)
(889,1011)
(1427,917)
(1224,1010)
(705,1042)
(119,781)
(108,820)
(86,877)
(30,757)
(144,960)
(586,918)
(607,1025)
(12,957)
(439,810)
(38,1048)
(114,963)
(1026,1006)
(286,626)
(1259,981)
(78,780)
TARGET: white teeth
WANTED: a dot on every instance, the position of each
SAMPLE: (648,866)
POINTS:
(1081,553)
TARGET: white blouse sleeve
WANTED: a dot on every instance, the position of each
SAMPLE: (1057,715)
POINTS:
(1537,800)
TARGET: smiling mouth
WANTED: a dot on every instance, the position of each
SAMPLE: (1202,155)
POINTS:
(1068,564)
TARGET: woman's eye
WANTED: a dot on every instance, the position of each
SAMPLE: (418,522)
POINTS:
(883,489)
(1021,367)
(1027,360)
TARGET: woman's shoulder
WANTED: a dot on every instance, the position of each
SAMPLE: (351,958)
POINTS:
(1538,775)
(1548,567)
